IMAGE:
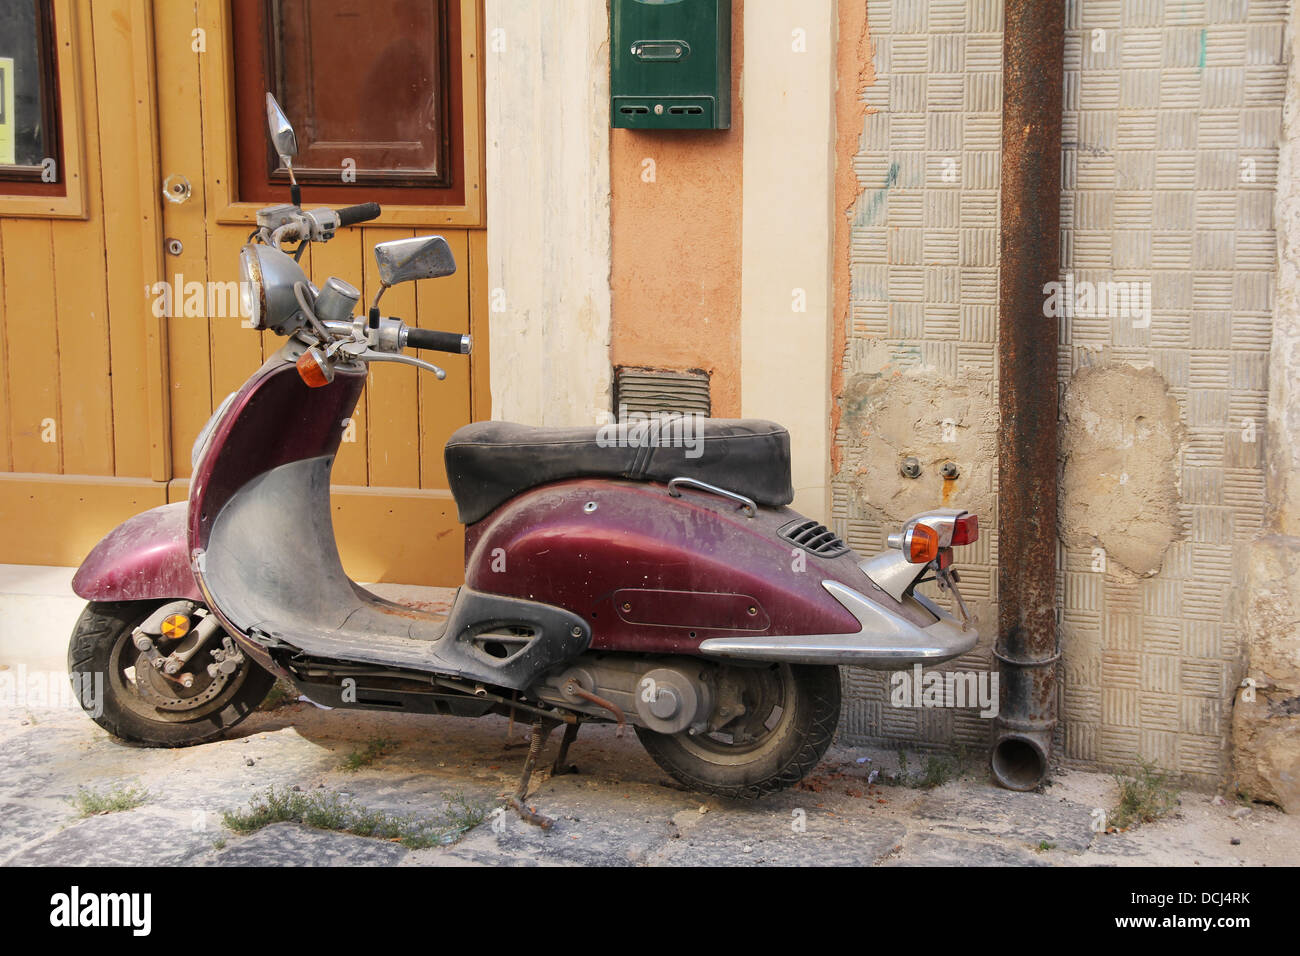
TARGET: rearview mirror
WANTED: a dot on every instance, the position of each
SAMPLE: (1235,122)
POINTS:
(423,257)
(282,135)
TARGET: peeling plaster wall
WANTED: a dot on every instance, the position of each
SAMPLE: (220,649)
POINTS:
(1121,453)
(1171,122)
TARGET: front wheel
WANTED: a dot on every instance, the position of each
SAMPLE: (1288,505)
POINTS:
(785,725)
(130,699)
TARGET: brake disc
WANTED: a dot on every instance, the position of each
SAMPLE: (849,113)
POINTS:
(163,694)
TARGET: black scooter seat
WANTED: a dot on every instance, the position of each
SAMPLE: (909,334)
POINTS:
(488,463)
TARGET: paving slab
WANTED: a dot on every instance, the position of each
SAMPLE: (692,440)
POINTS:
(937,849)
(26,821)
(290,844)
(141,837)
(1027,818)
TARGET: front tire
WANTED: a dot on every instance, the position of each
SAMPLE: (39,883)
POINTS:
(134,703)
(791,712)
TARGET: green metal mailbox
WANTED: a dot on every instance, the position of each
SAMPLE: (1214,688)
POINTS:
(670,64)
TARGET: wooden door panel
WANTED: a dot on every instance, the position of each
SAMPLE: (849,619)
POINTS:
(180,140)
(397,520)
(444,406)
(392,396)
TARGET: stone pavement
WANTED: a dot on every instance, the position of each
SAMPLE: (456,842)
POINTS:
(620,810)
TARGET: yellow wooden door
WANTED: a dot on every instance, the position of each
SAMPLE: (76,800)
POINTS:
(393,516)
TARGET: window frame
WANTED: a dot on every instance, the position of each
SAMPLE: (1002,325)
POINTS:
(417,184)
(65,198)
(48,54)
(220,122)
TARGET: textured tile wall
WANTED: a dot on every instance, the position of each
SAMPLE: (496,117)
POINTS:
(1171,117)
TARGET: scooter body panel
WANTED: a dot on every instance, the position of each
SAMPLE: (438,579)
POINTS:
(275,419)
(657,574)
(143,558)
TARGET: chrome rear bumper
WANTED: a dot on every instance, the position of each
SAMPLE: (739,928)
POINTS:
(884,640)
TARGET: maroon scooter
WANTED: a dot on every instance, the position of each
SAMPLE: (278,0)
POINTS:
(647,573)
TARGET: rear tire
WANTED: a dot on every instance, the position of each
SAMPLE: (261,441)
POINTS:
(101,664)
(791,715)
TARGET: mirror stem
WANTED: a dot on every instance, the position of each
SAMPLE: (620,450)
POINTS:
(295,191)
(374,306)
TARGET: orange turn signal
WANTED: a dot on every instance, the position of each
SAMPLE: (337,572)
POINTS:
(922,544)
(314,368)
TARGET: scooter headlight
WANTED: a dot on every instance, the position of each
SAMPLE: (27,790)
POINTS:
(267,277)
(252,293)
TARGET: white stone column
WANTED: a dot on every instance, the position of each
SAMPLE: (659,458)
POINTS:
(548,241)
(788,93)
(1266,729)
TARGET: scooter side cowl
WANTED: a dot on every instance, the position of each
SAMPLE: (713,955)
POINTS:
(654,573)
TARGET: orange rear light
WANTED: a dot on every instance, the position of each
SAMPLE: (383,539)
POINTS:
(922,544)
(966,529)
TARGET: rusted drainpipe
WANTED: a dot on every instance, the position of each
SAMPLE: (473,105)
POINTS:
(1033,46)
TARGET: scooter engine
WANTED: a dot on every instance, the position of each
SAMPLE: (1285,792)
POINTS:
(667,695)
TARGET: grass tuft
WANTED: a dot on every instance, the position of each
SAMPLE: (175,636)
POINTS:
(331,811)
(375,748)
(1144,796)
(938,770)
(90,803)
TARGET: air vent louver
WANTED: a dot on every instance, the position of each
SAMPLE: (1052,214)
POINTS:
(814,538)
(649,391)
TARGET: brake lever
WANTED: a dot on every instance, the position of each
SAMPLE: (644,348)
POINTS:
(370,355)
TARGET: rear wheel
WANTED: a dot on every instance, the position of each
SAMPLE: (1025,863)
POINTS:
(785,723)
(130,699)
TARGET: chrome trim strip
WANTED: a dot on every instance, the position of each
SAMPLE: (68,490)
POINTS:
(892,572)
(883,640)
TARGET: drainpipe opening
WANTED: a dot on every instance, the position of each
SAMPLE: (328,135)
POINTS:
(1019,762)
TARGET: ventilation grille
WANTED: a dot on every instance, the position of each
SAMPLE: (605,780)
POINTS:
(648,391)
(503,643)
(814,538)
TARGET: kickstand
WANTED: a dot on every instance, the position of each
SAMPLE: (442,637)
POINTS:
(511,743)
(541,730)
(561,765)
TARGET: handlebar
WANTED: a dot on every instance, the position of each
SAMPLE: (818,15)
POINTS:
(351,215)
(452,342)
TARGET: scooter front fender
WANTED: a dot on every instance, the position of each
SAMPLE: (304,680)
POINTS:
(145,557)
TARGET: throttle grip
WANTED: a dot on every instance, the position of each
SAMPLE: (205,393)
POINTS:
(452,342)
(351,215)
